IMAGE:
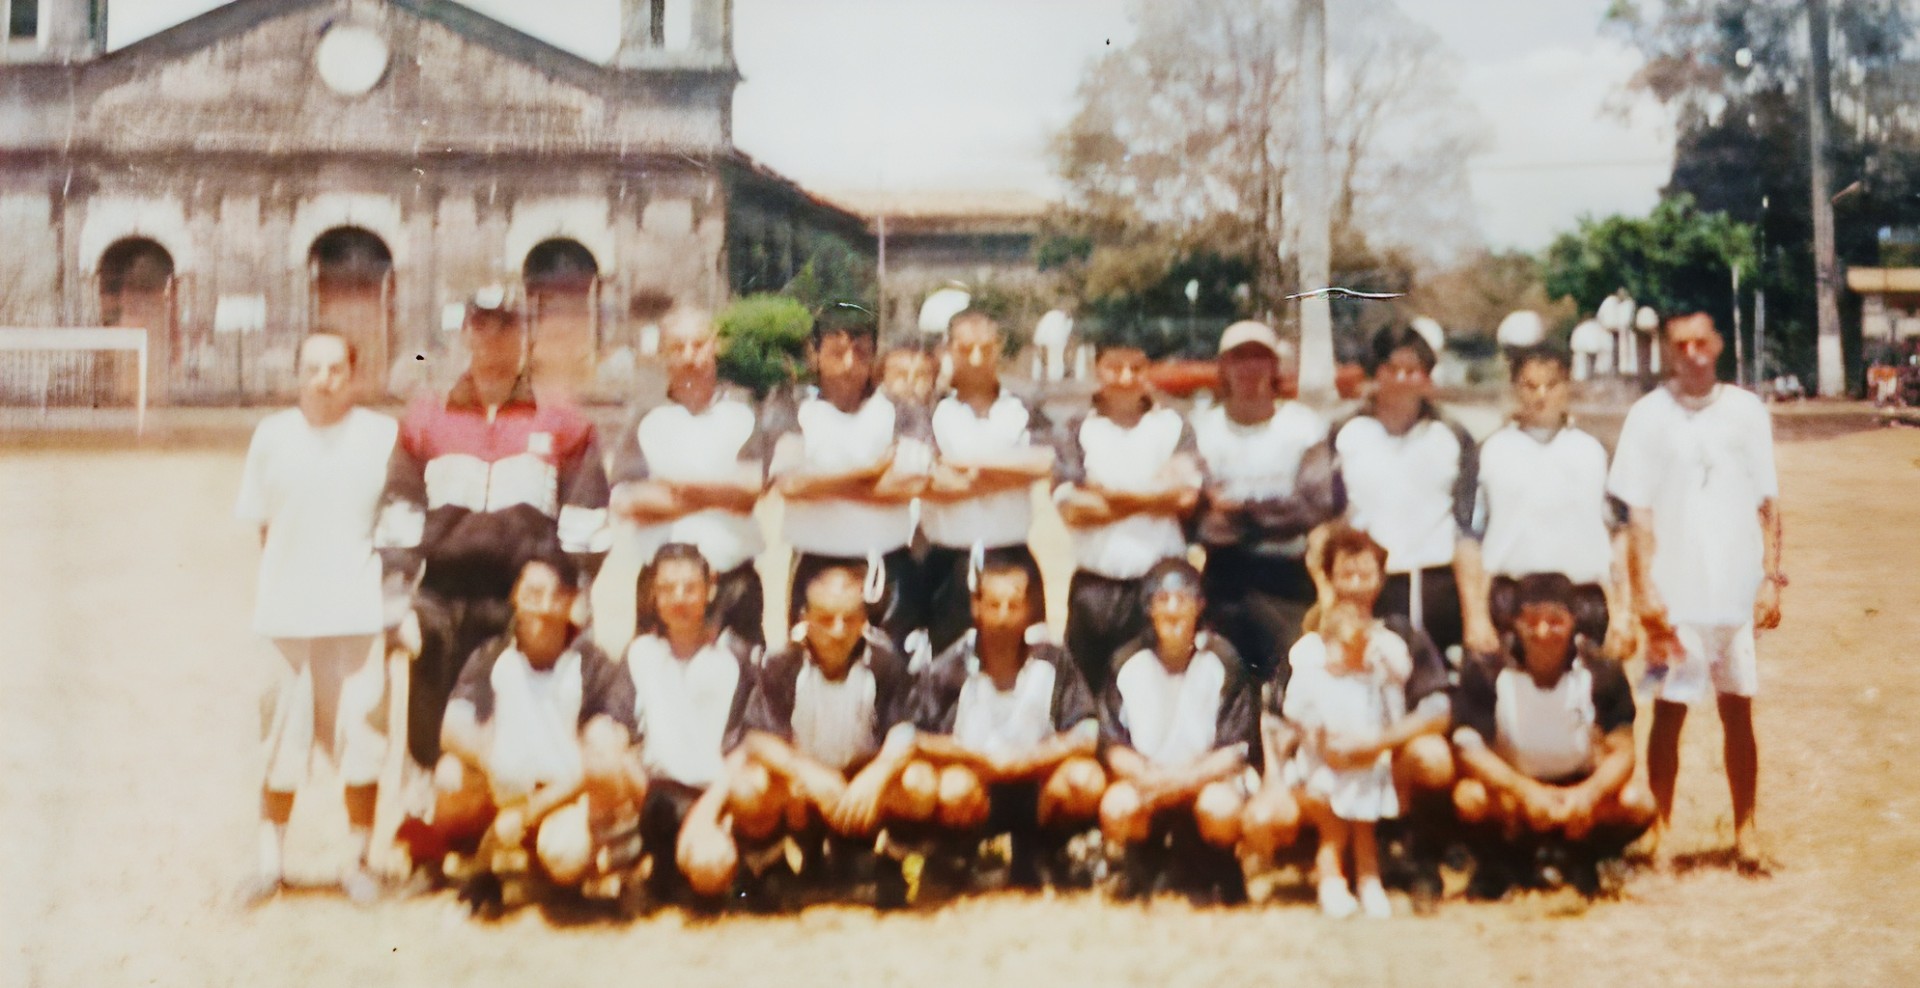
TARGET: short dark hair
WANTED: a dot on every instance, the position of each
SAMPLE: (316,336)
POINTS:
(1544,588)
(646,618)
(918,348)
(1345,540)
(1173,573)
(1393,339)
(855,571)
(968,316)
(554,558)
(353,352)
(850,319)
(1539,353)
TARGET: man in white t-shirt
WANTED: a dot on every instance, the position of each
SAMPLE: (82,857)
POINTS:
(1695,469)
(312,484)
(692,469)
(848,463)
(992,447)
(1543,507)
(1270,481)
(1128,477)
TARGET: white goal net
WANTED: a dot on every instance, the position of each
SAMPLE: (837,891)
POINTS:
(73,378)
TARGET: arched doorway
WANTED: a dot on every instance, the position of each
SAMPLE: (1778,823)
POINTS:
(350,275)
(563,294)
(137,289)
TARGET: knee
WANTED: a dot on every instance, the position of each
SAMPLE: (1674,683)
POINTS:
(918,791)
(963,800)
(754,802)
(1123,814)
(564,843)
(1272,821)
(1428,762)
(1075,789)
(450,775)
(1217,811)
(1470,801)
(1636,803)
(603,749)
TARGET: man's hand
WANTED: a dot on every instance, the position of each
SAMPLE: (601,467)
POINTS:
(1346,751)
(858,807)
(950,482)
(1578,804)
(1481,637)
(510,827)
(1620,637)
(1766,605)
(1541,805)
(820,785)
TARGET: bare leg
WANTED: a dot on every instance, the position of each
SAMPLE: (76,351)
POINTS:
(1123,815)
(1663,765)
(1366,870)
(1329,860)
(276,808)
(1272,822)
(1743,772)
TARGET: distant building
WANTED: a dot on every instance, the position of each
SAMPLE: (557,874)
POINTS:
(936,240)
(274,167)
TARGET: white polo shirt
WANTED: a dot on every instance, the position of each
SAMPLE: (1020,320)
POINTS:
(688,714)
(318,493)
(1704,474)
(1542,506)
(1102,452)
(960,434)
(1258,462)
(824,439)
(1413,493)
(674,444)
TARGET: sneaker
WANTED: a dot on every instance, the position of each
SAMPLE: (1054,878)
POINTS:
(361,887)
(257,890)
(1335,901)
(1373,900)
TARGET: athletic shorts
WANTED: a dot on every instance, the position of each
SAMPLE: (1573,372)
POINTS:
(1722,654)
(332,690)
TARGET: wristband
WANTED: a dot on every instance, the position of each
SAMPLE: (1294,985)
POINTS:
(1777,579)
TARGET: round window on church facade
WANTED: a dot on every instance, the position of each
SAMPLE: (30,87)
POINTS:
(351,59)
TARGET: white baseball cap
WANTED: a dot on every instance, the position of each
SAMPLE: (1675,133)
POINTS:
(1258,334)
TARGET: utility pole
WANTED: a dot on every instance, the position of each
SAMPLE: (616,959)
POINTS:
(1833,372)
(1316,234)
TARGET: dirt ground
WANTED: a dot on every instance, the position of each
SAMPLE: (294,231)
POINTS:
(128,711)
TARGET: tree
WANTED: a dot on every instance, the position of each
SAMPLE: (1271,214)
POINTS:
(763,341)
(1470,298)
(1182,142)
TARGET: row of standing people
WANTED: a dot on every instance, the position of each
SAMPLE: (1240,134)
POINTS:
(488,476)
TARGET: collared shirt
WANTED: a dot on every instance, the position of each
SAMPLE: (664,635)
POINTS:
(1175,719)
(469,487)
(1704,473)
(719,443)
(1095,449)
(1266,469)
(820,438)
(840,723)
(1414,493)
(1428,679)
(1543,505)
(956,697)
(998,519)
(689,713)
(1548,733)
(536,714)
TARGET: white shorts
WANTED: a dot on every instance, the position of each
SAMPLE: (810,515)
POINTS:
(1722,654)
(329,689)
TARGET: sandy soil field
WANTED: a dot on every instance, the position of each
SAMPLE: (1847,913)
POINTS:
(128,712)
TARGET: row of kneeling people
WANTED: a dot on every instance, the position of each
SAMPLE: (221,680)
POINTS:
(690,769)
(921,498)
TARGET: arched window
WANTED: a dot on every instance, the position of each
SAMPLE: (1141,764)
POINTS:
(350,281)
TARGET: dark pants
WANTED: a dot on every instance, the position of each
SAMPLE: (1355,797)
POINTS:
(740,603)
(950,600)
(1257,603)
(1439,604)
(1590,615)
(451,628)
(1103,614)
(902,607)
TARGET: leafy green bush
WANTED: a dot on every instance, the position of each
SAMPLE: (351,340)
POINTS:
(763,341)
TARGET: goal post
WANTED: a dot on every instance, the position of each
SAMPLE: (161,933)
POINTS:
(59,375)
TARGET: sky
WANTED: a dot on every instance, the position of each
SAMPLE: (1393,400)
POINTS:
(911,96)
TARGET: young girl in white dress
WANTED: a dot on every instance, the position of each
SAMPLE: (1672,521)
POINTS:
(1348,686)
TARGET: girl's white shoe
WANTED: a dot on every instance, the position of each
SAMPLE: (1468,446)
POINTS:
(1373,900)
(1335,901)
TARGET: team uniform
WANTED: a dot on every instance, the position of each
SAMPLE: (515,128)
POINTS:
(817,437)
(997,523)
(1256,581)
(472,493)
(536,715)
(1414,494)
(1704,473)
(1550,735)
(1177,719)
(1105,606)
(675,444)
(838,723)
(1401,673)
(317,493)
(1543,508)
(688,714)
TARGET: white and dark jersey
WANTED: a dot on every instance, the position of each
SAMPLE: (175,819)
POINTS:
(1543,505)
(1428,677)
(721,443)
(689,713)
(956,698)
(317,492)
(1704,473)
(1549,734)
(1279,473)
(813,436)
(839,723)
(1093,449)
(1414,493)
(962,435)
(536,715)
(1177,719)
